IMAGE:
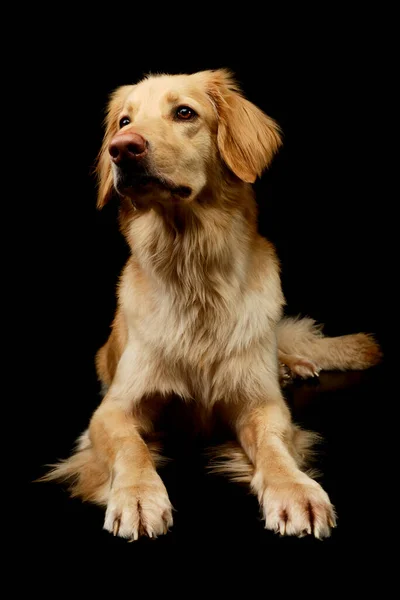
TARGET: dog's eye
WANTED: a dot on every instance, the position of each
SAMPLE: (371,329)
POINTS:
(185,113)
(124,121)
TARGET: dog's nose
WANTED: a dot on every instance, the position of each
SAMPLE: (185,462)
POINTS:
(127,147)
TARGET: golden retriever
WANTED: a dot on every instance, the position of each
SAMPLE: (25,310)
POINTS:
(199,309)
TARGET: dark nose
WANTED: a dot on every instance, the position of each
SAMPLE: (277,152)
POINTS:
(127,147)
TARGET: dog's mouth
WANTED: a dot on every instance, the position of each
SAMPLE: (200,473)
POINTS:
(136,184)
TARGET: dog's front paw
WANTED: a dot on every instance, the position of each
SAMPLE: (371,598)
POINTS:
(292,508)
(140,509)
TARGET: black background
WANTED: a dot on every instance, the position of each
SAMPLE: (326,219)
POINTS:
(325,203)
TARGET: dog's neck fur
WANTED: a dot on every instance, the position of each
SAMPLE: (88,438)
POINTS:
(197,252)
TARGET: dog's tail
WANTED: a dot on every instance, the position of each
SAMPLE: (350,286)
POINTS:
(86,475)
(230,459)
(303,337)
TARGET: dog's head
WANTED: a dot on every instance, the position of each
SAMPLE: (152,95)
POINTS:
(170,135)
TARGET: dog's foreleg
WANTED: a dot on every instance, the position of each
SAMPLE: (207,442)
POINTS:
(138,501)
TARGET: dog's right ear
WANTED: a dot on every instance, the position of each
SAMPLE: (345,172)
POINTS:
(103,167)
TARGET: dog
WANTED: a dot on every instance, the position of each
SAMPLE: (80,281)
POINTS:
(200,310)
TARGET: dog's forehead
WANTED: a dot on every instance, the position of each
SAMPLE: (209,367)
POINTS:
(167,88)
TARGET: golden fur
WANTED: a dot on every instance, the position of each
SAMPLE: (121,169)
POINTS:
(200,314)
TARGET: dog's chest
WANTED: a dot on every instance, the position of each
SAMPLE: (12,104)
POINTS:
(183,333)
(201,347)
(202,334)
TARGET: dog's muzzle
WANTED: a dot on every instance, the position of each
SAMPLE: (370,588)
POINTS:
(129,153)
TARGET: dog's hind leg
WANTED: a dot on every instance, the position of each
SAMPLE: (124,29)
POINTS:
(305,351)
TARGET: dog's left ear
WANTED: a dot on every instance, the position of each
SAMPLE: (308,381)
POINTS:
(103,168)
(247,137)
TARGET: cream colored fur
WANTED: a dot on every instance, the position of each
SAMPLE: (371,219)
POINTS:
(200,314)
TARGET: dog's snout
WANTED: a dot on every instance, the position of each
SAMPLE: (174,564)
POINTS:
(127,146)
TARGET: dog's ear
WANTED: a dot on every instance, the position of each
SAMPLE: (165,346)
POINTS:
(247,137)
(103,168)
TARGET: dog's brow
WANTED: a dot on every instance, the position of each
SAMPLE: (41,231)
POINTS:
(131,106)
(172,96)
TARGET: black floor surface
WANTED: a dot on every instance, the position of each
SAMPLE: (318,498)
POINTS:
(222,519)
